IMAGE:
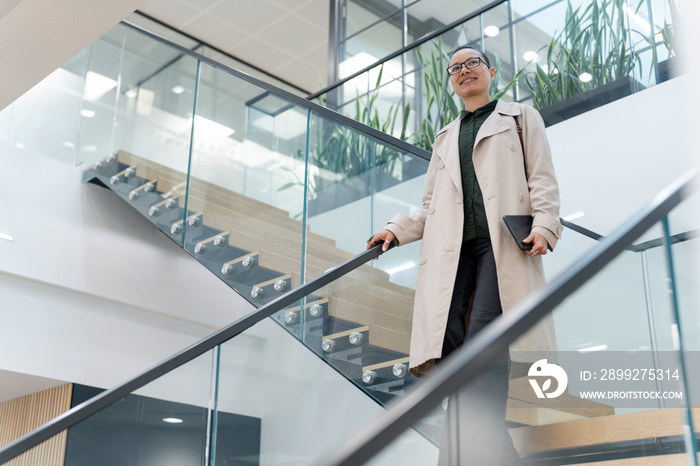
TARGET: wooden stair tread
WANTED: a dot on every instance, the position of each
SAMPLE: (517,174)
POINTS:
(677,459)
(601,430)
(227,220)
(520,412)
(203,193)
(521,390)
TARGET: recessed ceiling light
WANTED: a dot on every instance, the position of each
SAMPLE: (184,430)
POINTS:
(173,420)
(585,77)
(97,85)
(575,216)
(87,113)
(69,144)
(530,56)
(492,31)
(130,94)
(178,89)
(401,268)
(590,349)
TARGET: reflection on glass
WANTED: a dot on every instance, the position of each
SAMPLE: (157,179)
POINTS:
(370,45)
(537,60)
(245,191)
(166,420)
(301,405)
(45,118)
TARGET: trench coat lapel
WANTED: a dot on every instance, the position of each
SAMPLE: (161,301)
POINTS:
(498,121)
(448,151)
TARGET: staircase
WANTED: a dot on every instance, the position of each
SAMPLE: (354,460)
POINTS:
(360,324)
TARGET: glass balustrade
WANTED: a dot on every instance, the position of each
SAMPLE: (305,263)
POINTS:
(263,190)
(612,388)
(268,192)
(564,58)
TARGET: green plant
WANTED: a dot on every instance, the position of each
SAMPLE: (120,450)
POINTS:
(669,33)
(440,107)
(594,48)
(340,150)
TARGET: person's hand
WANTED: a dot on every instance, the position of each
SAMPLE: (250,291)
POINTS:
(539,244)
(383,236)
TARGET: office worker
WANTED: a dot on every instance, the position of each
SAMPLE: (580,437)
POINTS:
(471,270)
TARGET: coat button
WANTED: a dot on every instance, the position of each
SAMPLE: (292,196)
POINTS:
(431,210)
(422,261)
(442,165)
(513,146)
(521,197)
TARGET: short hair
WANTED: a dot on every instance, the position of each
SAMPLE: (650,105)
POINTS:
(479,51)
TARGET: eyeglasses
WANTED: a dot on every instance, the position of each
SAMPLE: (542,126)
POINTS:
(471,63)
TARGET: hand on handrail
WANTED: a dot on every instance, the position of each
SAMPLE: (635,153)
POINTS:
(384,236)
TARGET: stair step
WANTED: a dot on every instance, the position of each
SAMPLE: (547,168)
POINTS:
(678,459)
(601,430)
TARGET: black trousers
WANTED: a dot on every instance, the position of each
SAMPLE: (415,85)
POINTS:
(475,431)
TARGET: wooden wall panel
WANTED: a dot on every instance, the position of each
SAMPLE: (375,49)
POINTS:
(21,415)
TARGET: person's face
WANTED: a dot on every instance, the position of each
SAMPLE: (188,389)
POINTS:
(471,83)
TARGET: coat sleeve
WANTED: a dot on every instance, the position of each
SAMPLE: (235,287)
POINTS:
(410,228)
(541,179)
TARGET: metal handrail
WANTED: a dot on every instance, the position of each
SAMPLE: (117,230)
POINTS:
(646,245)
(111,396)
(477,355)
(368,131)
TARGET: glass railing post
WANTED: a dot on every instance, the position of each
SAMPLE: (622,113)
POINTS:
(213,411)
(305,223)
(189,155)
(677,329)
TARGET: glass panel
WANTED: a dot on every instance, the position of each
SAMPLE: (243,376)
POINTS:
(360,14)
(45,118)
(427,16)
(138,98)
(303,404)
(137,139)
(569,64)
(370,45)
(602,389)
(497,44)
(246,187)
(571,59)
(165,422)
(685,253)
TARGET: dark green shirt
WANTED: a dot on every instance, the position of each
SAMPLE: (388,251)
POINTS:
(475,225)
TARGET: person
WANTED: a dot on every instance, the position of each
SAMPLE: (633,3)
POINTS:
(493,160)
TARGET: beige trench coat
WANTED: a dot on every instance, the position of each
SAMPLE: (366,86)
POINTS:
(511,184)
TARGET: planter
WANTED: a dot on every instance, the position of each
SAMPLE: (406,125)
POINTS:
(668,69)
(589,100)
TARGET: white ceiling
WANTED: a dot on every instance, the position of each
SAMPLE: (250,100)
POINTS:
(285,38)
(15,385)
